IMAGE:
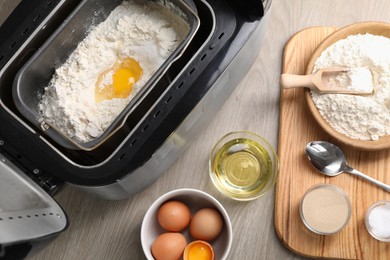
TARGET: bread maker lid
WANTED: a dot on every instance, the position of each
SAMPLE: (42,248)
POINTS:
(27,212)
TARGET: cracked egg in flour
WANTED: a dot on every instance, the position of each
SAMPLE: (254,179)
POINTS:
(109,67)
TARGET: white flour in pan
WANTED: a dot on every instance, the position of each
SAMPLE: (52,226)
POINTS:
(143,32)
(359,117)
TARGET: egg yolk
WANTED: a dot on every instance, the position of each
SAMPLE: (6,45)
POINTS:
(199,251)
(118,81)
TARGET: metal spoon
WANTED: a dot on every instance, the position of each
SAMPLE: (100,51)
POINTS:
(330,160)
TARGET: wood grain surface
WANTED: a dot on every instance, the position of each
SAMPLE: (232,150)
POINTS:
(297,128)
(100,229)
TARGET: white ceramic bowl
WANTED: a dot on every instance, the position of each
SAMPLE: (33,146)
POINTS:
(195,200)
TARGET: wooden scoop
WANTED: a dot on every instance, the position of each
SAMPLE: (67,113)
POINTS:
(333,80)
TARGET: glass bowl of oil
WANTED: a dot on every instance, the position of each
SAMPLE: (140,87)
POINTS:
(243,165)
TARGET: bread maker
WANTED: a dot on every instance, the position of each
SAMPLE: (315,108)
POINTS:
(33,167)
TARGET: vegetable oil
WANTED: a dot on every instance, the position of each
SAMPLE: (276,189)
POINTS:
(242,168)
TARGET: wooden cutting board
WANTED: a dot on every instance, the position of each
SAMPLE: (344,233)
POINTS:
(297,127)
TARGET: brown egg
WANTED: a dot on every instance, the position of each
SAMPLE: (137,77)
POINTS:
(169,246)
(174,216)
(206,224)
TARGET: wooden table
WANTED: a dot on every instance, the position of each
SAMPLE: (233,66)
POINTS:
(102,229)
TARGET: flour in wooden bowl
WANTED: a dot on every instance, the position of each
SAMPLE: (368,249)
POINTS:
(134,33)
(358,117)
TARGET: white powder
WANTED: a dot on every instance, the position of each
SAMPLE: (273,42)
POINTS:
(379,220)
(145,32)
(355,79)
(359,117)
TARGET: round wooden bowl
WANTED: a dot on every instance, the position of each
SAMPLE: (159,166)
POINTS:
(375,28)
